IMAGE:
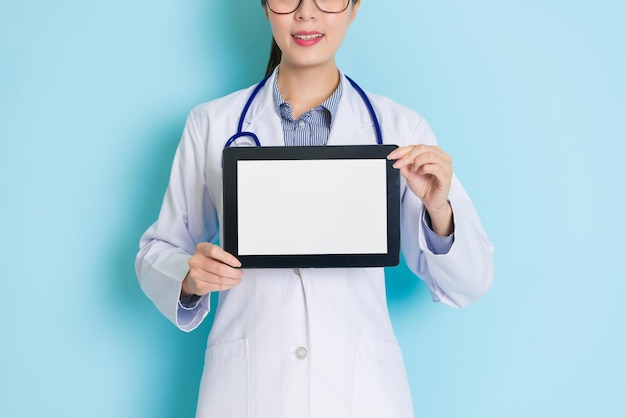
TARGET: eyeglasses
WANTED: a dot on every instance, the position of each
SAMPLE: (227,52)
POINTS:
(285,7)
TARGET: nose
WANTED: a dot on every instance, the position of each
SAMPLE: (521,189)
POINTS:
(306,10)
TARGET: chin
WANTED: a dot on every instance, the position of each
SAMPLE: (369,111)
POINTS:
(310,62)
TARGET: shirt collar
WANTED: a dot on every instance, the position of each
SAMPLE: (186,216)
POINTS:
(330,104)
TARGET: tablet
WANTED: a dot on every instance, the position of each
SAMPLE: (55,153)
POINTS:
(311,206)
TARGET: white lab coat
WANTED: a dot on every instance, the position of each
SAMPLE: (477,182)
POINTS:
(317,343)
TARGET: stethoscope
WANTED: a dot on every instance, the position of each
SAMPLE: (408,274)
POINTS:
(241,133)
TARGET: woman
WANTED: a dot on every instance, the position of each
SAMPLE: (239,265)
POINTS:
(306,342)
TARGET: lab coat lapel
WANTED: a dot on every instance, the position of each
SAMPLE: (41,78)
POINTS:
(262,118)
(352,124)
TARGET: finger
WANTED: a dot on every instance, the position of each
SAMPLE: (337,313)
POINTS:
(215,284)
(220,281)
(202,264)
(408,155)
(201,282)
(403,156)
(432,156)
(217,253)
(440,170)
(436,170)
(399,152)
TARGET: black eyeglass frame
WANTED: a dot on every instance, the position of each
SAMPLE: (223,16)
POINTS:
(300,3)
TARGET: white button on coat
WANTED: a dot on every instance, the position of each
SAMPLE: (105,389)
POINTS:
(301,353)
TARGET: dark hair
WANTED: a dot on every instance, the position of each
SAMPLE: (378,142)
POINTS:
(275,56)
(275,53)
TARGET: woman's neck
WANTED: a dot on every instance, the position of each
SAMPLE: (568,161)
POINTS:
(307,88)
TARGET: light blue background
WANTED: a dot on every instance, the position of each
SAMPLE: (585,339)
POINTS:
(528,96)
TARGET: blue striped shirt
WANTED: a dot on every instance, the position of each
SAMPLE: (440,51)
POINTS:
(314,126)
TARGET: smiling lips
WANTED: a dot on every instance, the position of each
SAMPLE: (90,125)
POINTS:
(307,38)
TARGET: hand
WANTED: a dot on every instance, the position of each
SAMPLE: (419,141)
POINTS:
(211,269)
(428,173)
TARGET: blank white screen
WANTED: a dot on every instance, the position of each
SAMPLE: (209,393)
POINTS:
(308,207)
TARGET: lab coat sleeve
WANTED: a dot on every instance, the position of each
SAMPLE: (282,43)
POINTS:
(187,217)
(463,274)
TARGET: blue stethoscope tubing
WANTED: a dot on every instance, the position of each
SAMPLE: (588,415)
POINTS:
(241,133)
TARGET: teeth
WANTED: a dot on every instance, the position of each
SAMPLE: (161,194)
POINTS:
(309,37)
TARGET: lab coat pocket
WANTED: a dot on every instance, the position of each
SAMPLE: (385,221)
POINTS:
(224,385)
(381,387)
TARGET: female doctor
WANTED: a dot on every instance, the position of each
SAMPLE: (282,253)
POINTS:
(306,343)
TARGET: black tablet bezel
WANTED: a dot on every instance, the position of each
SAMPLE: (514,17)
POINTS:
(232,155)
